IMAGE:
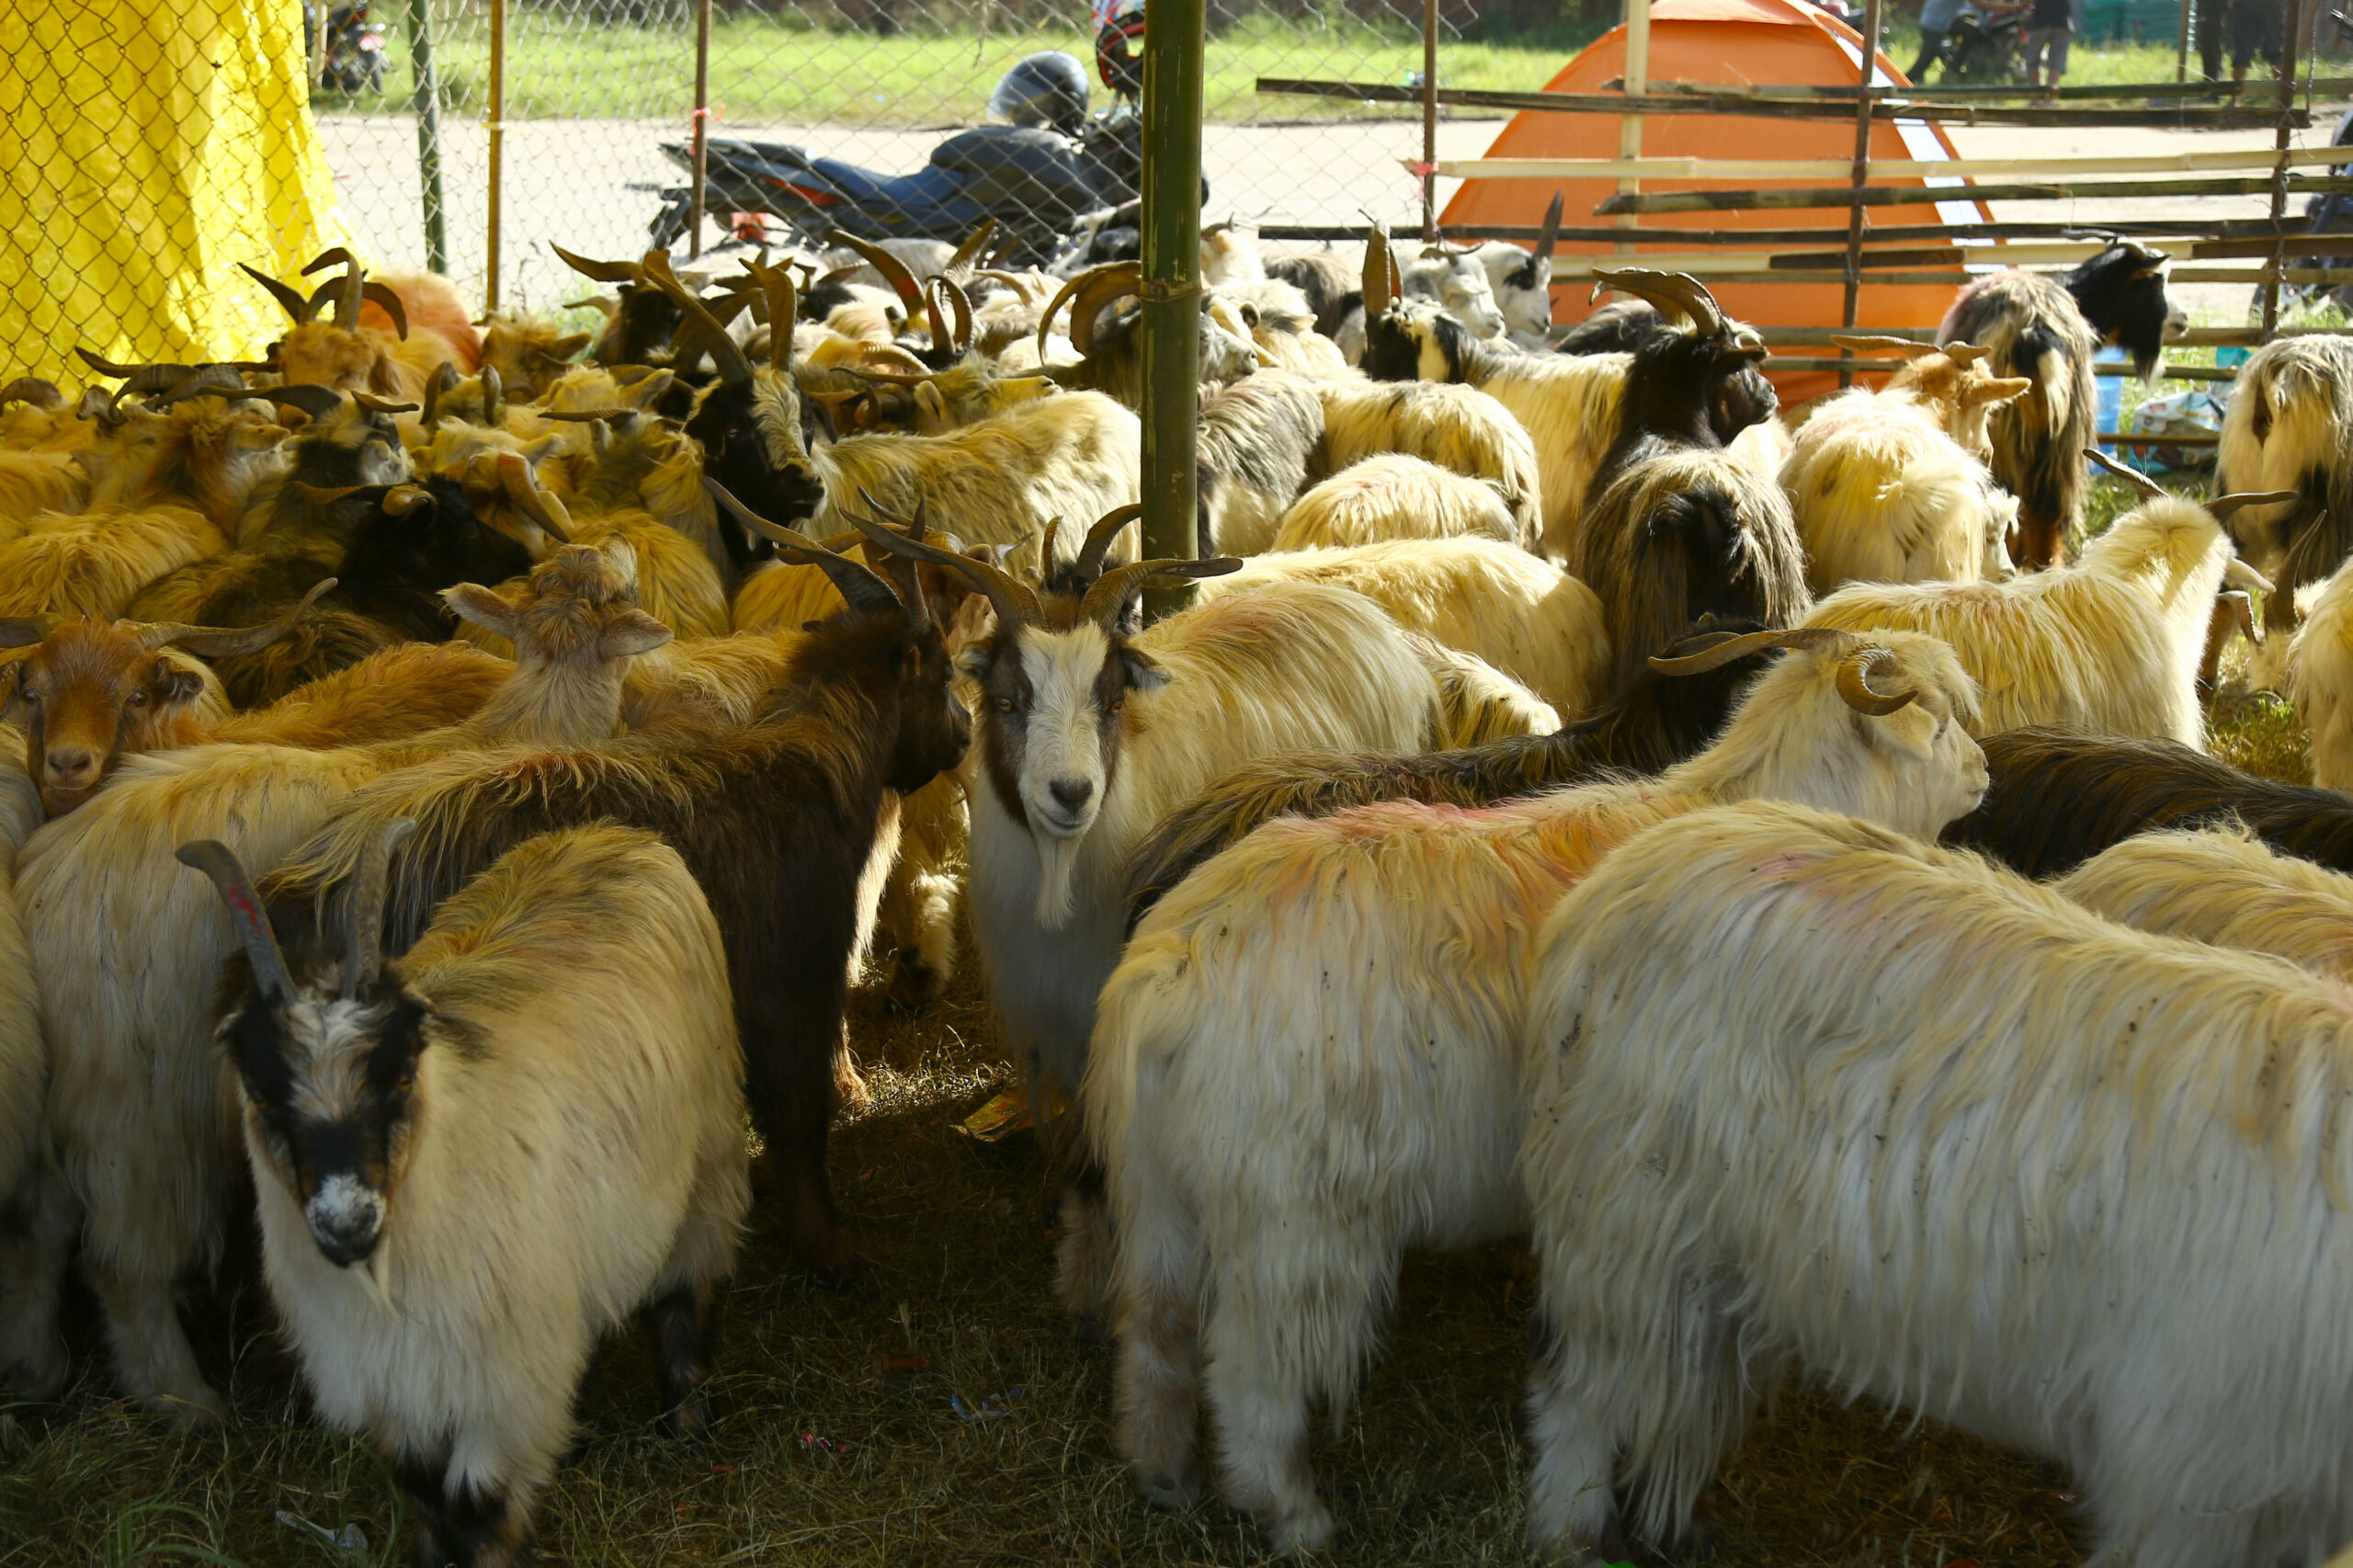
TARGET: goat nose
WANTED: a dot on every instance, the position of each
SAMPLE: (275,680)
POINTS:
(1074,793)
(69,766)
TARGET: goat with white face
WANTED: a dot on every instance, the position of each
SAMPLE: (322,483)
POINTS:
(472,1161)
(1454,283)
(1522,281)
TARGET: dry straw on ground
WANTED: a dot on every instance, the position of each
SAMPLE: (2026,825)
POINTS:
(941,1411)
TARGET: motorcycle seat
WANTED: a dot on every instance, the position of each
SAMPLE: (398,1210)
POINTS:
(928,187)
(773,152)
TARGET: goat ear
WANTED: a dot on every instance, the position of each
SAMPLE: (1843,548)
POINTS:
(1910,731)
(173,682)
(976,661)
(630,633)
(1144,674)
(484,608)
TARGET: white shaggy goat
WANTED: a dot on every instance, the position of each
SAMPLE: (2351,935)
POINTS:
(128,950)
(2110,644)
(473,1162)
(1519,613)
(2226,888)
(2320,679)
(1308,1059)
(1522,282)
(1086,735)
(2290,427)
(1391,497)
(1883,495)
(1459,429)
(1807,1092)
(1451,282)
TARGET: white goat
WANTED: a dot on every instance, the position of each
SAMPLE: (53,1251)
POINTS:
(2226,888)
(472,1163)
(1522,282)
(1807,1092)
(1459,429)
(2110,645)
(1393,497)
(2289,427)
(2320,679)
(1523,615)
(127,951)
(1452,283)
(1308,1059)
(1883,495)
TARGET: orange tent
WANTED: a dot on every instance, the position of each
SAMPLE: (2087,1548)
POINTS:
(1782,42)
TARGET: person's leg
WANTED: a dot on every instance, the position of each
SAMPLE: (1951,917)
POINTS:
(2060,40)
(1932,48)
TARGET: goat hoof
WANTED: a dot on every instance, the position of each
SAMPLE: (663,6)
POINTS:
(1307,1529)
(1174,1492)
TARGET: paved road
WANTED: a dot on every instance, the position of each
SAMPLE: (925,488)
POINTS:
(575,182)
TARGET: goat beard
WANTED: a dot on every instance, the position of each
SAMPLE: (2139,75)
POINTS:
(1057,866)
(377,1270)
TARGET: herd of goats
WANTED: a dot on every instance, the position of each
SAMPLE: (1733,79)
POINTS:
(1772,863)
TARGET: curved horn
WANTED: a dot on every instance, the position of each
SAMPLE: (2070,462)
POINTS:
(375,405)
(445,377)
(289,299)
(1551,234)
(900,569)
(325,496)
(392,305)
(1855,673)
(1015,602)
(1021,286)
(364,959)
(726,354)
(893,270)
(310,398)
(860,588)
(1965,354)
(1731,648)
(784,309)
(777,532)
(1871,342)
(2222,507)
(98,404)
(2147,489)
(1380,282)
(217,861)
(1098,538)
(961,338)
(400,500)
(889,362)
(1109,594)
(228,641)
(586,416)
(494,398)
(1669,290)
(960,266)
(522,487)
(34,390)
(602,271)
(206,380)
(337,256)
(344,291)
(1088,293)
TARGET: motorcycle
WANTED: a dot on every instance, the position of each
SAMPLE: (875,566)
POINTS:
(352,58)
(1986,46)
(1053,175)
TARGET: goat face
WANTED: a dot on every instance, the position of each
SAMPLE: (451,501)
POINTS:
(1917,768)
(2121,292)
(430,546)
(1414,341)
(756,439)
(1526,296)
(1700,391)
(89,695)
(1055,720)
(330,1090)
(1458,286)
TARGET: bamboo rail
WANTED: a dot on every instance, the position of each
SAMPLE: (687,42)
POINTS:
(2263,158)
(1766,199)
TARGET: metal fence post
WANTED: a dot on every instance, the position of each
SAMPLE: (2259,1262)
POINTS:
(497,150)
(1429,121)
(429,137)
(703,127)
(1172,269)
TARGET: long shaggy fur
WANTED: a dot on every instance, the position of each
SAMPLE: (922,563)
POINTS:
(2059,797)
(94,562)
(2225,888)
(2110,644)
(1647,727)
(1808,1092)
(1256,440)
(2290,427)
(2320,680)
(1457,427)
(1528,619)
(32,1356)
(1476,702)
(1883,495)
(1686,533)
(577,1150)
(1394,497)
(2031,327)
(127,949)
(1308,1061)
(34,482)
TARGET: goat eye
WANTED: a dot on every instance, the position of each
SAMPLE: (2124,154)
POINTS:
(1005,705)
(138,699)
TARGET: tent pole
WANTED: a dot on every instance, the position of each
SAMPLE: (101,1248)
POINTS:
(1868,68)
(1172,270)
(1637,84)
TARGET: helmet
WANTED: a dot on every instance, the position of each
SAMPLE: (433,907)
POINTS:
(1119,49)
(1044,90)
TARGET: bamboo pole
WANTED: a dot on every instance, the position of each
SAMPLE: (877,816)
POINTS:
(427,99)
(2263,158)
(2279,177)
(1869,365)
(1866,66)
(1635,84)
(1913,195)
(1800,93)
(1429,122)
(2170,229)
(1568,272)
(2233,119)
(497,153)
(1172,265)
(699,188)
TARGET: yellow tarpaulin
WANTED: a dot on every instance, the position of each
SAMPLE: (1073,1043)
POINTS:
(146,151)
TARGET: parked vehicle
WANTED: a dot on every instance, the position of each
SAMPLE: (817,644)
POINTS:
(352,58)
